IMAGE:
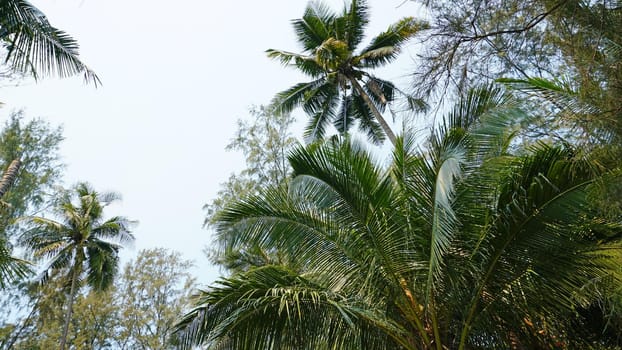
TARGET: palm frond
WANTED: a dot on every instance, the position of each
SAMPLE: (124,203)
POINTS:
(476,103)
(385,47)
(431,185)
(356,18)
(294,229)
(116,229)
(562,94)
(315,26)
(380,91)
(489,115)
(359,110)
(273,307)
(11,268)
(344,118)
(103,262)
(536,235)
(383,92)
(288,100)
(320,104)
(46,238)
(61,261)
(108,197)
(36,46)
(345,166)
(306,64)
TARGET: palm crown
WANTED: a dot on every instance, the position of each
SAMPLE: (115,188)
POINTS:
(342,89)
(82,240)
(463,245)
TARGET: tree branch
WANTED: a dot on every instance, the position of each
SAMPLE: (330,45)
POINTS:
(532,23)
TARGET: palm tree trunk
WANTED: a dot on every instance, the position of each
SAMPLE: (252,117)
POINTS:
(374,110)
(72,294)
(9,176)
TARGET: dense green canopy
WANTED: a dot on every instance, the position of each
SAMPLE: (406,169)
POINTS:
(463,244)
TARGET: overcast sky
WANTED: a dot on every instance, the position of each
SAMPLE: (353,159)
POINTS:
(176,75)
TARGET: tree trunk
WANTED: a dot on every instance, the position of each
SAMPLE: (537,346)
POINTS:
(72,294)
(9,176)
(374,110)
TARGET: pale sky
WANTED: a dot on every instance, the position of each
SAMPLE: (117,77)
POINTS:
(176,76)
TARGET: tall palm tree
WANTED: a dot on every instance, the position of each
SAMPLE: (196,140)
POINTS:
(82,244)
(36,47)
(461,245)
(343,89)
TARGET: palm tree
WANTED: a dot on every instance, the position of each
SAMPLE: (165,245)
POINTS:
(342,88)
(34,46)
(82,244)
(461,245)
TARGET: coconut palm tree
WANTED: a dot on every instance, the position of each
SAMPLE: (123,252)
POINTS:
(460,245)
(36,47)
(343,89)
(82,244)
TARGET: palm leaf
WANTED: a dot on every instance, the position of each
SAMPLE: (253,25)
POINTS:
(273,307)
(320,104)
(11,268)
(380,91)
(305,64)
(63,260)
(576,110)
(116,229)
(356,18)
(359,110)
(535,235)
(477,103)
(36,46)
(315,25)
(385,47)
(559,92)
(103,262)
(344,118)
(286,101)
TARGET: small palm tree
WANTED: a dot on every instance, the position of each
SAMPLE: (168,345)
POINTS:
(463,245)
(82,244)
(34,46)
(343,89)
